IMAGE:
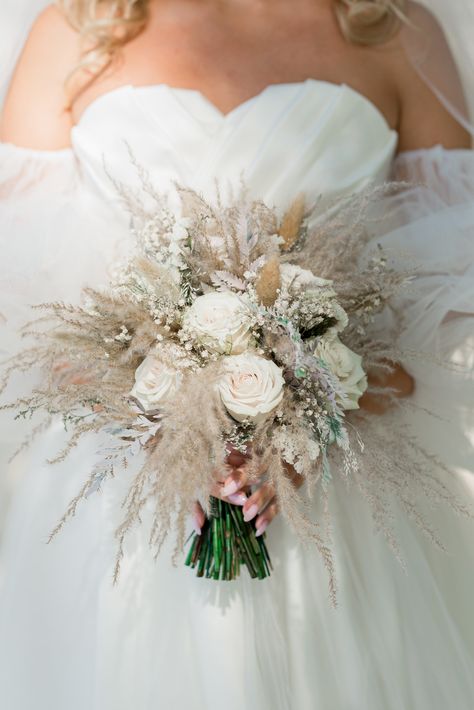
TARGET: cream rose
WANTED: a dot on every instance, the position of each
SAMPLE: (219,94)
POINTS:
(346,365)
(251,387)
(155,383)
(220,321)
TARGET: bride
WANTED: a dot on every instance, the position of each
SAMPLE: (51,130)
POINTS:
(320,96)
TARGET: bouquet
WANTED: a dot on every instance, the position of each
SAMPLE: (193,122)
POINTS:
(231,323)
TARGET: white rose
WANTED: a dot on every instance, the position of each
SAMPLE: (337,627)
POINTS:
(251,387)
(155,383)
(346,365)
(221,321)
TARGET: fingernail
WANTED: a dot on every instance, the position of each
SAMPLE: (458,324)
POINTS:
(251,513)
(196,527)
(230,488)
(237,498)
(261,529)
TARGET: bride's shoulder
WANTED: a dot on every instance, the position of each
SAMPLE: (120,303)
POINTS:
(51,17)
(38,86)
(424,120)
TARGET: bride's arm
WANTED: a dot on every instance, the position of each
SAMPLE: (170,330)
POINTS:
(423,120)
(35,113)
(423,123)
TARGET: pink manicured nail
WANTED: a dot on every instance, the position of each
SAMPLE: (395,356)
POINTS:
(261,529)
(230,488)
(196,526)
(251,513)
(237,498)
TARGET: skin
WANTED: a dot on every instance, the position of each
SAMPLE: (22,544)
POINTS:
(229,50)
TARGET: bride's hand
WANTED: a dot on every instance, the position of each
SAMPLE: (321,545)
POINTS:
(398,380)
(261,505)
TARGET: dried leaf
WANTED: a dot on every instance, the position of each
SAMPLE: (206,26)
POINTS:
(226,280)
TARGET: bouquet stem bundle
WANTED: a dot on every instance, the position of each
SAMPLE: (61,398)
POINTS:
(225,543)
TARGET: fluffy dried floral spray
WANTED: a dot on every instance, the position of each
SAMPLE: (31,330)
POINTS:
(299,278)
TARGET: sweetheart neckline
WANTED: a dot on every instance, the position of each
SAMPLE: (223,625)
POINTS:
(227,115)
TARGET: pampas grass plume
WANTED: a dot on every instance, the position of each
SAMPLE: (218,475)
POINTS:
(291,223)
(268,281)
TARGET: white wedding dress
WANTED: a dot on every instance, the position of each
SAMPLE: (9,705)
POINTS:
(399,639)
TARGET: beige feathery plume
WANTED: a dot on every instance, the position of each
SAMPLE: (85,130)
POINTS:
(291,222)
(269,281)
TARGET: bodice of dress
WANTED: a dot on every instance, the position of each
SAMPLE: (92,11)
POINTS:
(62,218)
(312,136)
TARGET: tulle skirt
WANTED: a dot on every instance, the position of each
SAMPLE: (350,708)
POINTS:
(399,638)
(402,635)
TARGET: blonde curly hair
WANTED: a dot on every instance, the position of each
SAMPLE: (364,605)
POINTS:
(106,25)
(370,22)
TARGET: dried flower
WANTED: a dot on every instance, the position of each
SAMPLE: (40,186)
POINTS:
(291,222)
(268,282)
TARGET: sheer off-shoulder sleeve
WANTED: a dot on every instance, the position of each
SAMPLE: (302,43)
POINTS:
(449,173)
(435,224)
(55,233)
(431,226)
(56,236)
(428,226)
(23,171)
(34,185)
(36,189)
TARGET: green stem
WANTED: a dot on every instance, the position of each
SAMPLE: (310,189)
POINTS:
(226,542)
